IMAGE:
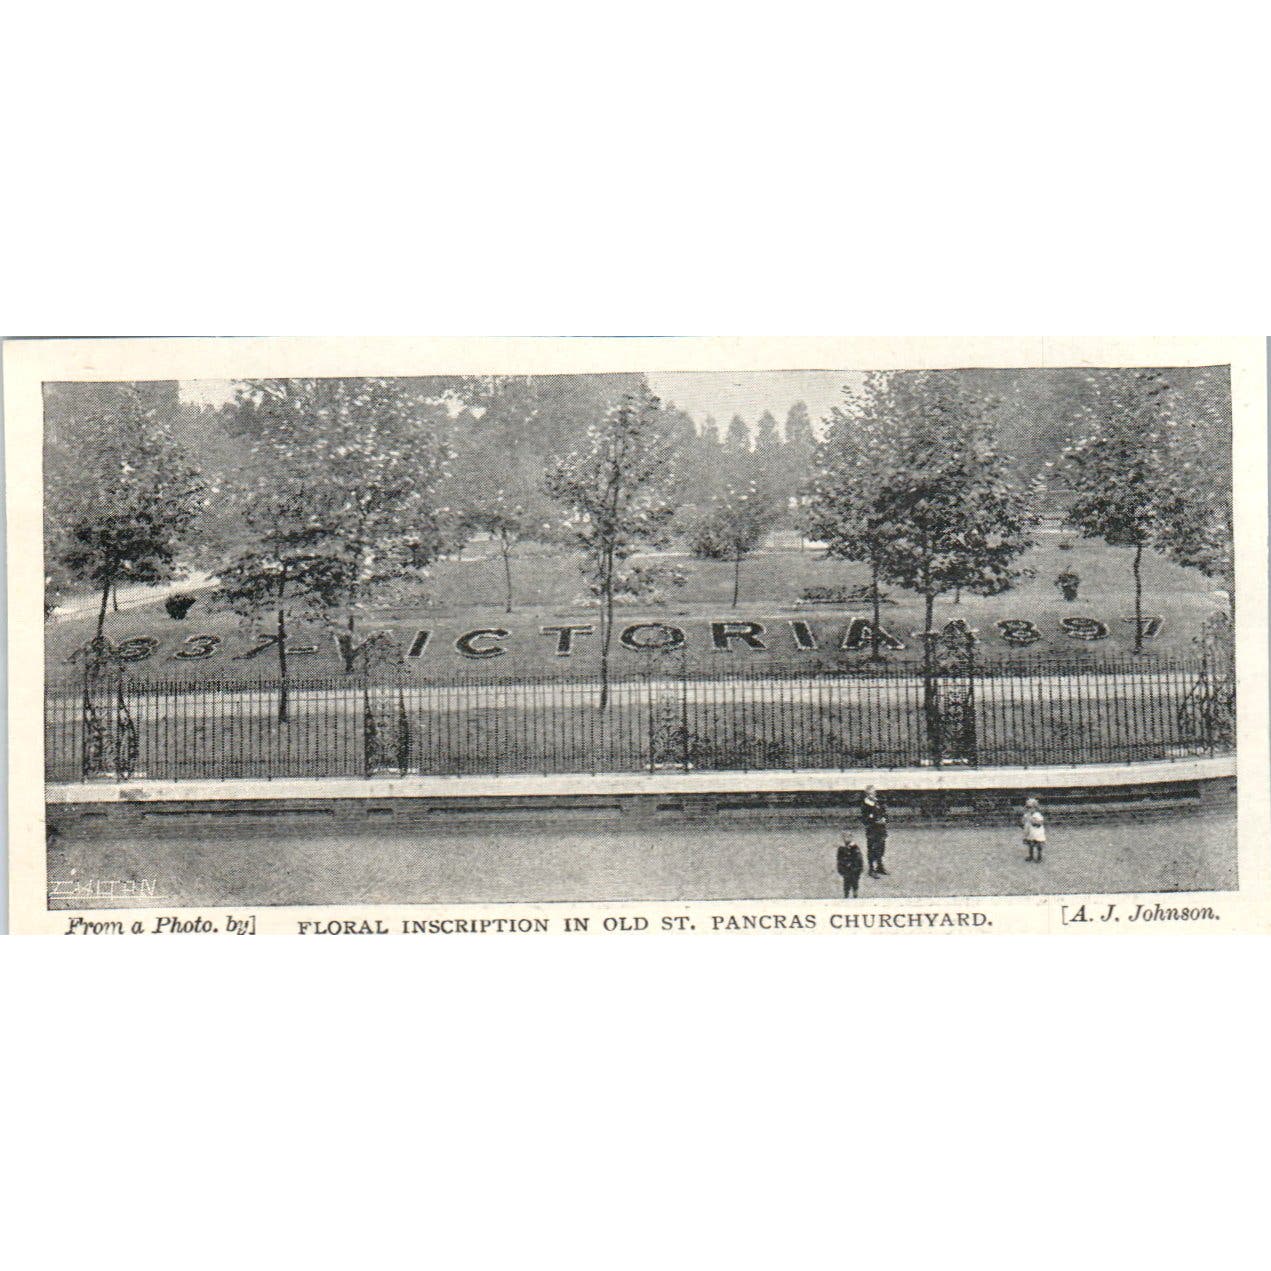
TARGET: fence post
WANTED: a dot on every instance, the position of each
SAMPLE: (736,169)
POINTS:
(652,719)
(972,722)
(684,737)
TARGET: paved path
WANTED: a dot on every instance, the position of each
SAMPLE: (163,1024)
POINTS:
(498,859)
(134,597)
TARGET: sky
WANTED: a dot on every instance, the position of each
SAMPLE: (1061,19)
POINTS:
(749,394)
(722,394)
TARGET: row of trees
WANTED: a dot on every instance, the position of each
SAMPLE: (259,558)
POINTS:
(344,491)
(908,482)
(774,460)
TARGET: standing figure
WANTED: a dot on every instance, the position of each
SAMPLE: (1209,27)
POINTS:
(1034,825)
(850,863)
(874,818)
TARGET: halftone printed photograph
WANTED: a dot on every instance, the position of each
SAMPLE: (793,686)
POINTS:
(638,636)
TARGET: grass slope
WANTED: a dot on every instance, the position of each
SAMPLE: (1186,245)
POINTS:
(468,594)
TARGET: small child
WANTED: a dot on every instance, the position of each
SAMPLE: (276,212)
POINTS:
(850,864)
(1034,825)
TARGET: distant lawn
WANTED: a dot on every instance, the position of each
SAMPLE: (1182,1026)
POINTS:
(463,595)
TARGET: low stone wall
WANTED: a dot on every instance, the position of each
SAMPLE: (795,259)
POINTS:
(928,795)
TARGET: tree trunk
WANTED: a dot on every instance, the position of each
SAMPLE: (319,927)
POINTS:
(507,578)
(114,597)
(606,626)
(930,704)
(1138,598)
(350,623)
(282,665)
(736,579)
(876,601)
(101,613)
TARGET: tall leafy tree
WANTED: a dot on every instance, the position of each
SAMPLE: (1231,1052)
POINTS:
(371,457)
(515,425)
(734,524)
(798,428)
(909,482)
(707,465)
(287,572)
(848,473)
(616,489)
(766,438)
(955,521)
(797,451)
(122,497)
(689,455)
(1196,525)
(510,431)
(1119,469)
(737,438)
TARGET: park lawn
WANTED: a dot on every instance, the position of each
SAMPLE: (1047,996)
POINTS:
(464,595)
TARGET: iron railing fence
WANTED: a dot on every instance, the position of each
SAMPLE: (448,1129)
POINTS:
(111,725)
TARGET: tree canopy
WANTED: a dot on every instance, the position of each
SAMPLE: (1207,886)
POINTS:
(123,497)
(615,489)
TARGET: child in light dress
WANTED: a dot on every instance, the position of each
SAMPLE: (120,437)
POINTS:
(1034,825)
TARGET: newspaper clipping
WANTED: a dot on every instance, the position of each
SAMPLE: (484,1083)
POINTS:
(637,637)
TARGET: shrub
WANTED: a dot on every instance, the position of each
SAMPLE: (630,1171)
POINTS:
(178,605)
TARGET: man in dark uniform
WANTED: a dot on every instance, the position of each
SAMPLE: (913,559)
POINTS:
(874,818)
(850,865)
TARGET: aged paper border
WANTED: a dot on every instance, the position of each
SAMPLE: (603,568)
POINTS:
(29,363)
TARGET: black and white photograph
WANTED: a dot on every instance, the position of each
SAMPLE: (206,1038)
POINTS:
(842,635)
(819,641)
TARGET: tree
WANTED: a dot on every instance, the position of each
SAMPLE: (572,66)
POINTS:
(799,428)
(1196,524)
(954,520)
(908,481)
(691,465)
(289,571)
(1119,469)
(705,466)
(515,426)
(509,524)
(766,439)
(737,438)
(615,487)
(122,497)
(797,453)
(734,524)
(848,472)
(371,459)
